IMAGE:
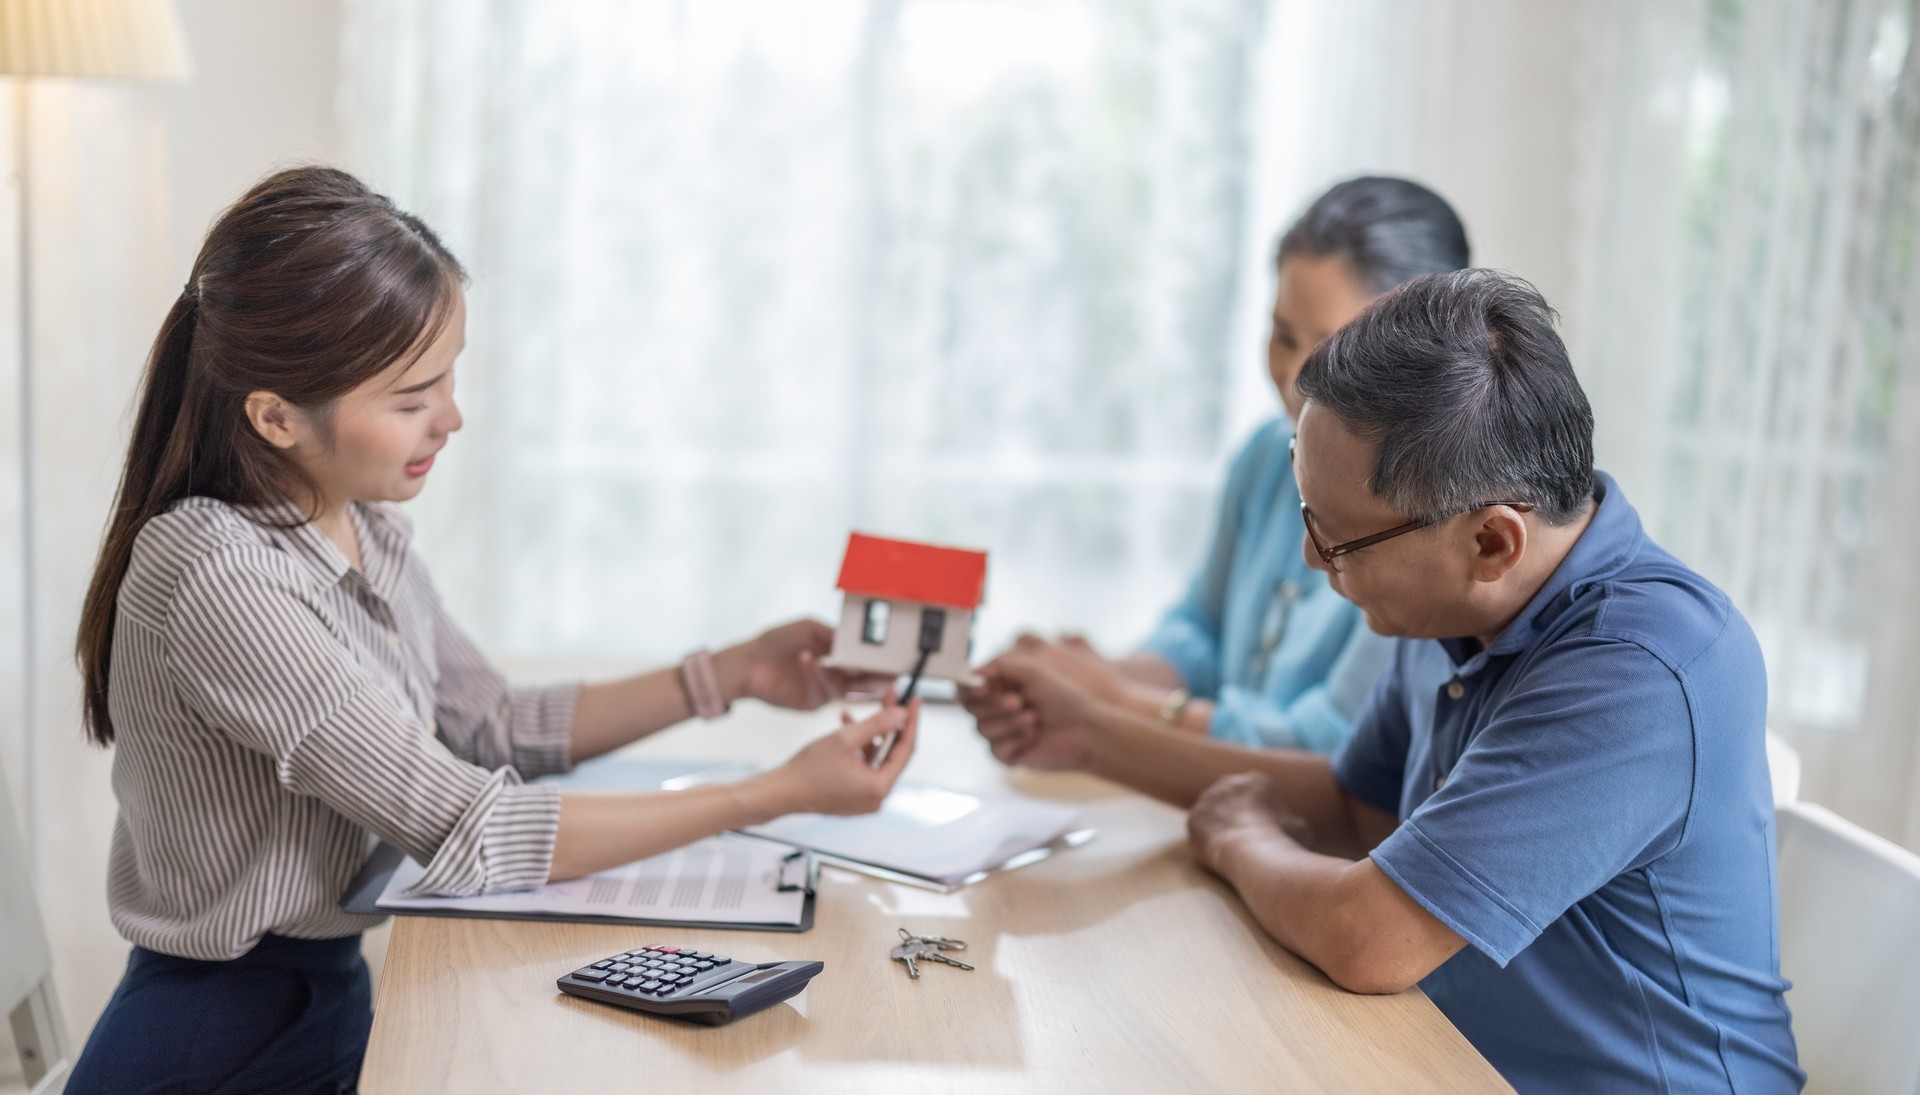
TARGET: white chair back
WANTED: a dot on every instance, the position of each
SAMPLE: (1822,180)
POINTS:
(1783,767)
(1850,944)
(26,969)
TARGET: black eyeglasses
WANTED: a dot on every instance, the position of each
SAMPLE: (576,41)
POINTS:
(1329,554)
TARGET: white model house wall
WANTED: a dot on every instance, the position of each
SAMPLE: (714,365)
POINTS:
(901,649)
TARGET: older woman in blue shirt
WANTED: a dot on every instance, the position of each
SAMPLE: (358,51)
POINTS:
(1260,650)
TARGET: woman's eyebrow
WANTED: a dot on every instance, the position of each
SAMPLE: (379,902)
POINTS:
(420,387)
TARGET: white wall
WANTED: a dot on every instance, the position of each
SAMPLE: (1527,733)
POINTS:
(125,180)
(263,98)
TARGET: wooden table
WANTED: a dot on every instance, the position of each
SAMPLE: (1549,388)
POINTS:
(1117,966)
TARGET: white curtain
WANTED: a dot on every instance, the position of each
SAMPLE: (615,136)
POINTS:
(1750,291)
(749,274)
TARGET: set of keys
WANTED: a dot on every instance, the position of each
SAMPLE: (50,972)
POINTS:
(913,947)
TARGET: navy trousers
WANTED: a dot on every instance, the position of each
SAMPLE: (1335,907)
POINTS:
(290,1015)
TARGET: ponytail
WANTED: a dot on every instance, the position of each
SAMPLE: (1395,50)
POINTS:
(149,482)
(308,286)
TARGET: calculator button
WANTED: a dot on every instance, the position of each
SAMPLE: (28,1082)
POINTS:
(670,978)
(695,954)
(668,990)
(620,967)
(602,964)
(721,959)
(617,979)
(703,965)
(650,986)
(665,950)
(590,974)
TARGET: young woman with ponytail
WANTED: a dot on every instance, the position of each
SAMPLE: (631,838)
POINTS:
(283,687)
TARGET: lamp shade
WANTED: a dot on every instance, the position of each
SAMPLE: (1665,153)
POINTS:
(94,39)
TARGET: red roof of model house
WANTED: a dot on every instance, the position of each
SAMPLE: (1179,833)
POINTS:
(906,571)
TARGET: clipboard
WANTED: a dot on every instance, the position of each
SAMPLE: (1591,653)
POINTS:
(934,837)
(1061,843)
(800,870)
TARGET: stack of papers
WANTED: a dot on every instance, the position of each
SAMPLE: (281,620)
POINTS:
(722,881)
(923,835)
(618,773)
(933,837)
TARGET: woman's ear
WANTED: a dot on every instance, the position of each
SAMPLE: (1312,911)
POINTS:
(1500,541)
(273,419)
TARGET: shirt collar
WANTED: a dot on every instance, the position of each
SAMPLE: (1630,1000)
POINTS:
(1605,546)
(383,542)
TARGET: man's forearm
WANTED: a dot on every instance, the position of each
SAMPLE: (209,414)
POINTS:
(1138,752)
(1346,917)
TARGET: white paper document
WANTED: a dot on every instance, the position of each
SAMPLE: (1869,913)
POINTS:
(720,880)
(620,773)
(936,836)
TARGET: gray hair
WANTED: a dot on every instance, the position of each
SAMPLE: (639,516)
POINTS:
(1389,230)
(1462,382)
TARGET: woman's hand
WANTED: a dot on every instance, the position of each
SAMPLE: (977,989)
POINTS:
(834,773)
(782,667)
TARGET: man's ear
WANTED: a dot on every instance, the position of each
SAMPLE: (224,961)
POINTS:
(1500,542)
(273,419)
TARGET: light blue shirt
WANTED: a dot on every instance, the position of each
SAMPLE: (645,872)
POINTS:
(1586,803)
(1285,660)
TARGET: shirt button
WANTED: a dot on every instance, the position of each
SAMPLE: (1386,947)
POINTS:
(1455,690)
(393,638)
(1439,782)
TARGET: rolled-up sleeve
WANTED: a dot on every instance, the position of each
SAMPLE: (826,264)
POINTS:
(485,720)
(256,655)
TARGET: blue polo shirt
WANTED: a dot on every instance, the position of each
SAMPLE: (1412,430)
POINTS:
(1586,803)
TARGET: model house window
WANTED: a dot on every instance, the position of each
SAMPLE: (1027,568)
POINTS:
(875,629)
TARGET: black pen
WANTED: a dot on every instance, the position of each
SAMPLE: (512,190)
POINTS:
(883,745)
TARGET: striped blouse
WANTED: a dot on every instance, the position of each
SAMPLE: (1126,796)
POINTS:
(275,710)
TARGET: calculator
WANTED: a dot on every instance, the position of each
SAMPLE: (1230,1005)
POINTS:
(682,983)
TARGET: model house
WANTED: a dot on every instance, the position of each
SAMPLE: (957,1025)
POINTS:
(904,598)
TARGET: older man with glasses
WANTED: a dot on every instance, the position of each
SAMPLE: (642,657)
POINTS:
(1554,814)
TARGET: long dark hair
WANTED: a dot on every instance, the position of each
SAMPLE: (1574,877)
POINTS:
(308,286)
